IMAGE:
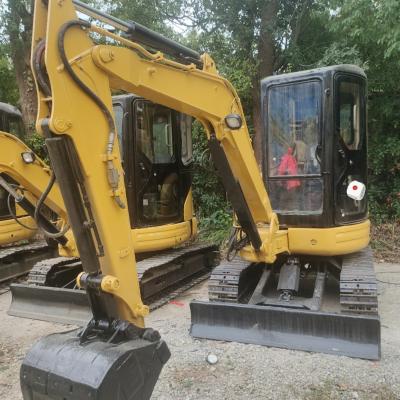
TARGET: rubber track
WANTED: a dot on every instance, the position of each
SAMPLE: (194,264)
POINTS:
(38,274)
(11,251)
(224,281)
(17,260)
(358,284)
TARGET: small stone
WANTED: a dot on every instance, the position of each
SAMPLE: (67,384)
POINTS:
(354,395)
(212,359)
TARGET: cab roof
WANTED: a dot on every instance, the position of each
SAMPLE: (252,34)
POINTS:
(349,68)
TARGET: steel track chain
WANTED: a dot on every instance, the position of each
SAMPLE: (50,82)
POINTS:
(358,284)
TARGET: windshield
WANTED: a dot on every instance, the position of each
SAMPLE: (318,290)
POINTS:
(293,128)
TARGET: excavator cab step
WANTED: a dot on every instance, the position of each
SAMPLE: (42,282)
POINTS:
(61,366)
(333,333)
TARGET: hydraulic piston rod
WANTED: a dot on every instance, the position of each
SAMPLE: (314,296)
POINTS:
(141,34)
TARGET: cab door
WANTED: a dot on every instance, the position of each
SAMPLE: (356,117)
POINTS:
(162,172)
(350,154)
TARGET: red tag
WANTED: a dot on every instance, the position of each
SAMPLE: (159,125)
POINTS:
(177,303)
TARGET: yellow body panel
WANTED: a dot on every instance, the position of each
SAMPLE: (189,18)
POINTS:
(162,237)
(11,231)
(329,241)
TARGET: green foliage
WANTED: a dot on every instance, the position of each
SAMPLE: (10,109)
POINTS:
(36,143)
(212,208)
(367,33)
(303,34)
(8,85)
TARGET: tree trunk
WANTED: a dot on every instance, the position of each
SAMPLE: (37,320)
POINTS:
(19,29)
(266,62)
(26,87)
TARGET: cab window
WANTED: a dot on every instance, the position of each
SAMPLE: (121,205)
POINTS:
(119,119)
(294,128)
(349,114)
(154,133)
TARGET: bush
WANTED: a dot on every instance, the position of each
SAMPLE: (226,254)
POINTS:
(212,208)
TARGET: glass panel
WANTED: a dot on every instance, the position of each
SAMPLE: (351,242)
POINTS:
(186,135)
(157,180)
(348,208)
(296,196)
(154,133)
(162,137)
(349,114)
(16,127)
(119,119)
(3,204)
(350,160)
(293,129)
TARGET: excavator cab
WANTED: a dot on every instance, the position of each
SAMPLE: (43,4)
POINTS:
(315,146)
(156,149)
(11,120)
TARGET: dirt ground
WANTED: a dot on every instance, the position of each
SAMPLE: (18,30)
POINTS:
(242,371)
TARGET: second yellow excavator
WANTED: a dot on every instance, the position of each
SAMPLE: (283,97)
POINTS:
(19,247)
(157,152)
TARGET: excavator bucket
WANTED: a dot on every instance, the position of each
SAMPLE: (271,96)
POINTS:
(298,329)
(60,367)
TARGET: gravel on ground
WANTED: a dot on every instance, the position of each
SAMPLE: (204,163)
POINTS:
(242,371)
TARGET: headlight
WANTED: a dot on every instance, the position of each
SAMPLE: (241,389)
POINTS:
(28,157)
(233,121)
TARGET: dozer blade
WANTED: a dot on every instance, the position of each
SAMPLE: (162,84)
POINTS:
(59,367)
(45,303)
(339,334)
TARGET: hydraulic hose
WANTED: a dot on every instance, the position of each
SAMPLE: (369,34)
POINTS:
(39,205)
(112,172)
(15,217)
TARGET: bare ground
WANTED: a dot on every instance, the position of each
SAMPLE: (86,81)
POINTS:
(242,371)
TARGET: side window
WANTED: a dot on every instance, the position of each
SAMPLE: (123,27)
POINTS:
(349,114)
(186,135)
(119,120)
(3,204)
(154,136)
(16,127)
(162,136)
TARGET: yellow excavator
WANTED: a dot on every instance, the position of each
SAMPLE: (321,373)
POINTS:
(19,250)
(115,356)
(156,146)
